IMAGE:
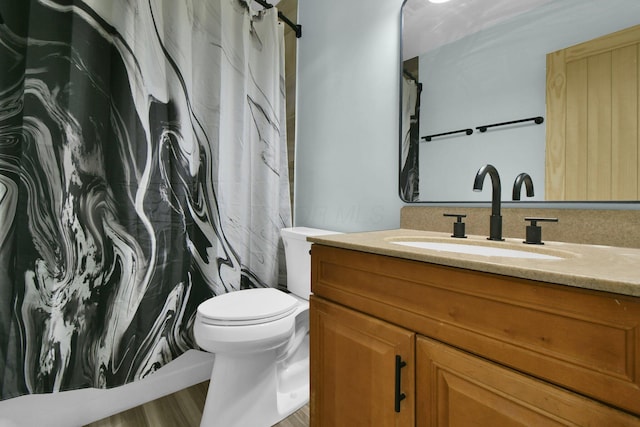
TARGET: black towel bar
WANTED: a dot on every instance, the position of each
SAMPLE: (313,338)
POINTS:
(537,120)
(467,131)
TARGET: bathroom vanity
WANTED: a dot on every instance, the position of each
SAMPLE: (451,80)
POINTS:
(405,336)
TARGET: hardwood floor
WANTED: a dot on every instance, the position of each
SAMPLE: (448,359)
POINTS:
(183,409)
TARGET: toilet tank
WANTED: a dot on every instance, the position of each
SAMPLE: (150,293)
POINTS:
(298,258)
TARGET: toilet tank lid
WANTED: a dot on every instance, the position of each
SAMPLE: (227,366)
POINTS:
(301,233)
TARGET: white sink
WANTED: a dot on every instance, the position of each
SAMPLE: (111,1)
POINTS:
(482,250)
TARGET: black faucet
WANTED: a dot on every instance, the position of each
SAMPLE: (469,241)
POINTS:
(495,223)
(517,185)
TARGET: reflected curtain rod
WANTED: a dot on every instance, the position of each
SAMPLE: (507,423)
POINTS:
(297,28)
(409,75)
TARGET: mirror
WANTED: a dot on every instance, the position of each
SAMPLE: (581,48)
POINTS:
(468,64)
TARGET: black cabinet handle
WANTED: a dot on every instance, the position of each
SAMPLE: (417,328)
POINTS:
(399,395)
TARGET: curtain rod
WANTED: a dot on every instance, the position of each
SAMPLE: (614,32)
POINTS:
(297,28)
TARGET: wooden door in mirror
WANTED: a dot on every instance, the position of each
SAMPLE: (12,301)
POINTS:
(593,119)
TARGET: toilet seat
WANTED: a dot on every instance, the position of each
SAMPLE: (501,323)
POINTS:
(247,307)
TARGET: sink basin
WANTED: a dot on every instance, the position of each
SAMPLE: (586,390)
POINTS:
(483,250)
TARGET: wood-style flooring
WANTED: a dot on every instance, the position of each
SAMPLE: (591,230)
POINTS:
(183,409)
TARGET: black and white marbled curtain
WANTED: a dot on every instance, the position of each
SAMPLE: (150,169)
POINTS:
(410,140)
(143,170)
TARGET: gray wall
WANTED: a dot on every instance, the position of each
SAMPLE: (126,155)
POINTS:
(347,115)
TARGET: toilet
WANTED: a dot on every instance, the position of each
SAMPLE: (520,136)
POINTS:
(260,338)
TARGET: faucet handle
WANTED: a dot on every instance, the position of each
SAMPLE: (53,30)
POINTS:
(534,232)
(458,226)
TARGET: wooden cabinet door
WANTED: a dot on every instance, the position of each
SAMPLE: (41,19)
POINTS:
(353,369)
(457,389)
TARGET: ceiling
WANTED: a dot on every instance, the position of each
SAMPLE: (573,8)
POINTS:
(427,25)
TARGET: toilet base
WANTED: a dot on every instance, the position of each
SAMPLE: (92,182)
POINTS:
(255,390)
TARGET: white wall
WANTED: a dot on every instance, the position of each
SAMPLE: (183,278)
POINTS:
(347,115)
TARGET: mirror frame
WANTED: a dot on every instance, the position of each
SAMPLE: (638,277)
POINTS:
(575,204)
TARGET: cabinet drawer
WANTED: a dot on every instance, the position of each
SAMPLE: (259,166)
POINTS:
(586,341)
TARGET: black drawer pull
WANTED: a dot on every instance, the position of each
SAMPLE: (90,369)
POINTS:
(399,395)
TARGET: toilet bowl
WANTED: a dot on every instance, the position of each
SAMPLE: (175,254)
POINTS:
(260,338)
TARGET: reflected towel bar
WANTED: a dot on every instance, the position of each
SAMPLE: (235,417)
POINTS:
(537,120)
(467,131)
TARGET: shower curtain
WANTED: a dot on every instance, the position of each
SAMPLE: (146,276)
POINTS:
(410,144)
(143,169)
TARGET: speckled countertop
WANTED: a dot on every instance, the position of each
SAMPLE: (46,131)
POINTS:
(603,268)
